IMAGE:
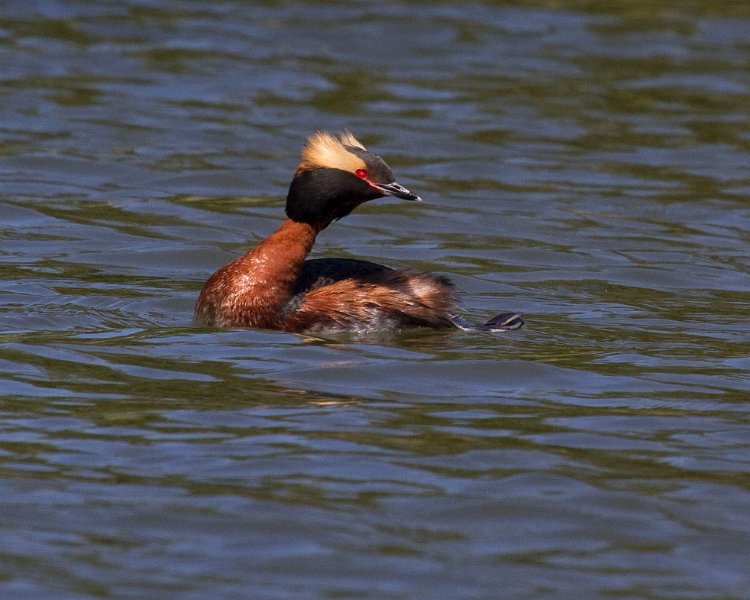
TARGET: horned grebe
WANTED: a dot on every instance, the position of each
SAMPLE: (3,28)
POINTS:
(272,286)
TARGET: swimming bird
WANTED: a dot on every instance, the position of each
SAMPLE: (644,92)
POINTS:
(275,286)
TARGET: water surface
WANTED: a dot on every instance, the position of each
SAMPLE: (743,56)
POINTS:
(586,165)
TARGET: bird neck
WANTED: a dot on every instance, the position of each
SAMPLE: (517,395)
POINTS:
(274,266)
(253,289)
(278,258)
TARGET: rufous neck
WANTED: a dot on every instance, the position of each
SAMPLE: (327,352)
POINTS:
(292,240)
(276,263)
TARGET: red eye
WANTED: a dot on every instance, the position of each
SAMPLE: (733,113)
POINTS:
(361,173)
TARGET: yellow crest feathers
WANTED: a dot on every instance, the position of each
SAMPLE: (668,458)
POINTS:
(329,151)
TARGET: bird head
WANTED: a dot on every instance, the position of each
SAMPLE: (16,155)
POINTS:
(336,175)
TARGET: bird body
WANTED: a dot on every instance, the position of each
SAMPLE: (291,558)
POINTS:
(273,286)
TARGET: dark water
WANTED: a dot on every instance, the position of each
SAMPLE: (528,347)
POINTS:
(586,164)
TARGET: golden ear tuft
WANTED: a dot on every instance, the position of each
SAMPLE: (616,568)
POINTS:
(346,138)
(325,151)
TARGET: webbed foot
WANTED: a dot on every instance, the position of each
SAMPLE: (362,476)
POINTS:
(506,321)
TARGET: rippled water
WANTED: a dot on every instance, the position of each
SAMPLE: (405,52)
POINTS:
(586,165)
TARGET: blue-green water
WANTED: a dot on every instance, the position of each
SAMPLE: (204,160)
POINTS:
(585,164)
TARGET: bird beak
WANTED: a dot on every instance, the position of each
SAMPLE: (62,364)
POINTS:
(394,189)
